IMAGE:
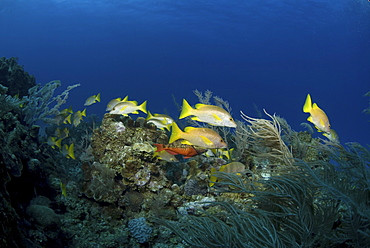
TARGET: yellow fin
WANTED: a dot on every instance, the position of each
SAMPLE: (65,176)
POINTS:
(176,133)
(216,117)
(194,118)
(63,188)
(186,142)
(212,178)
(142,107)
(149,115)
(308,104)
(310,119)
(58,143)
(315,106)
(199,105)
(188,129)
(68,119)
(207,141)
(186,109)
(71,152)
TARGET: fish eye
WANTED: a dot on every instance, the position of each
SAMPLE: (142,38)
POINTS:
(231,119)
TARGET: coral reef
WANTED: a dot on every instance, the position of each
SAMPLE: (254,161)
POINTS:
(13,76)
(140,230)
(295,190)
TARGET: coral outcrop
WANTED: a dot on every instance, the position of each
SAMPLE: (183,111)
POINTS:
(13,76)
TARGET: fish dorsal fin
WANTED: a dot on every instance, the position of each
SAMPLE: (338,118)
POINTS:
(199,105)
(315,106)
(217,117)
(207,141)
(188,129)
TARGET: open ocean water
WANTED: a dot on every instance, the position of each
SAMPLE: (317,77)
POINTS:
(267,54)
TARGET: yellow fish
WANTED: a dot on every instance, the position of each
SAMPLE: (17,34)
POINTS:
(161,121)
(63,187)
(166,156)
(77,117)
(114,102)
(128,107)
(68,151)
(233,167)
(66,111)
(54,142)
(332,136)
(62,133)
(210,114)
(221,153)
(202,137)
(92,99)
(317,115)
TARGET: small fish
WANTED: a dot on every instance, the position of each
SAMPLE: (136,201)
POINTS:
(63,187)
(177,148)
(129,107)
(54,142)
(62,133)
(67,120)
(210,114)
(66,111)
(166,156)
(77,117)
(68,151)
(220,153)
(332,136)
(92,99)
(114,102)
(317,115)
(202,137)
(161,121)
(233,167)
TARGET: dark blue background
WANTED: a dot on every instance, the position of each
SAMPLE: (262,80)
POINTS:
(269,53)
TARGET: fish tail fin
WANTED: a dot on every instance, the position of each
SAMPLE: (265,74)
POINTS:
(308,104)
(83,113)
(212,178)
(176,133)
(168,127)
(186,109)
(98,97)
(160,147)
(142,107)
(58,143)
(71,152)
(149,116)
(68,119)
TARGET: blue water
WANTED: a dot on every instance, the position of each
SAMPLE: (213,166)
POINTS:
(268,53)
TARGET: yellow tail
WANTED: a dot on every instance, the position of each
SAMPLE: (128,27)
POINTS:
(308,104)
(186,109)
(142,107)
(176,133)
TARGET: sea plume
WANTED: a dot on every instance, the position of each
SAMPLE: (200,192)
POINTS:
(265,137)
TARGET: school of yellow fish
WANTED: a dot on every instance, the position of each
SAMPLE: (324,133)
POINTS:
(187,142)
